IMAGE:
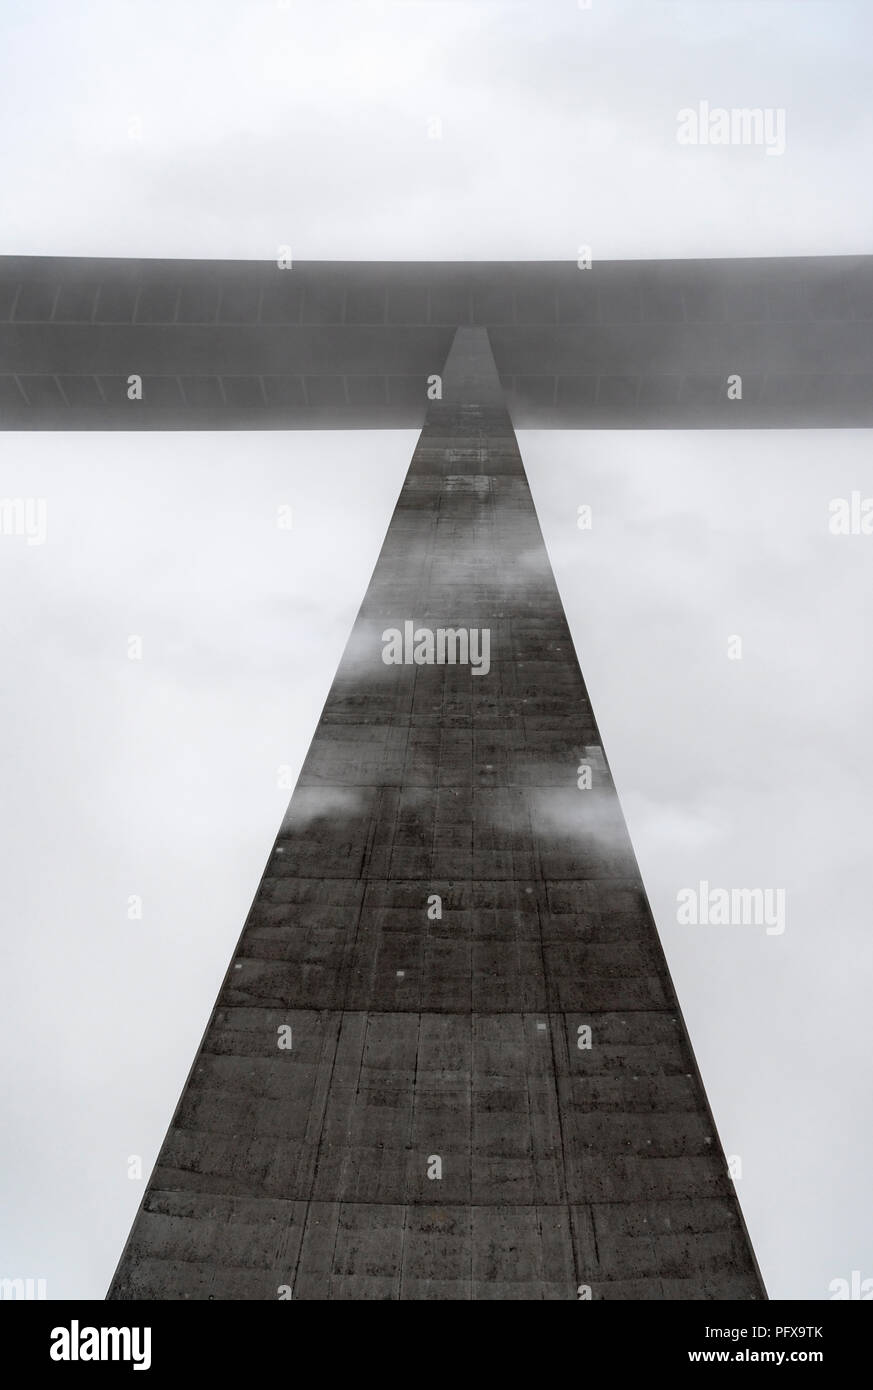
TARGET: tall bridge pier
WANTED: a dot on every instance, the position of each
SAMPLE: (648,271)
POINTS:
(447,1061)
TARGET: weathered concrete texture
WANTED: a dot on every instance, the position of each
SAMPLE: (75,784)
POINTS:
(418,1036)
(246,345)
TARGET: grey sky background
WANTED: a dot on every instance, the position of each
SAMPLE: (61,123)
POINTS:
(307,123)
(263,125)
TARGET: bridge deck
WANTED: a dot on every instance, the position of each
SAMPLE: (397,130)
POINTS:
(246,345)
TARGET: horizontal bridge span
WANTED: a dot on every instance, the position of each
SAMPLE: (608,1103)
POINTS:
(249,345)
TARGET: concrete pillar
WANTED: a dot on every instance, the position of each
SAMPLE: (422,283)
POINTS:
(447,1061)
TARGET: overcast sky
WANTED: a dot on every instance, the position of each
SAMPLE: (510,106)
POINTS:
(229,127)
(308,125)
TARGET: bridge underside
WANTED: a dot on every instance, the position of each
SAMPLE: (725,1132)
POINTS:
(246,345)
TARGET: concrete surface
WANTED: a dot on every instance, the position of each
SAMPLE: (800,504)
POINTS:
(417,1037)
